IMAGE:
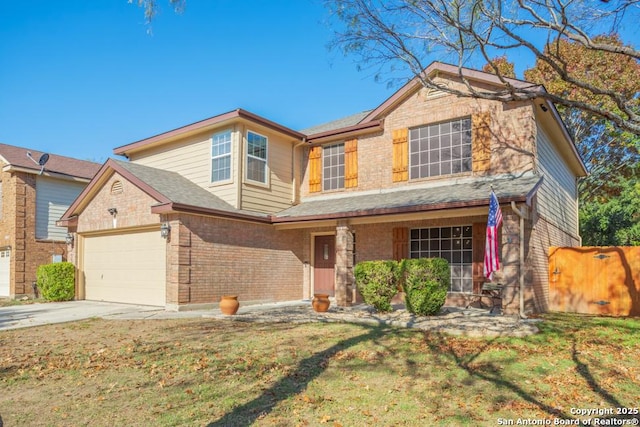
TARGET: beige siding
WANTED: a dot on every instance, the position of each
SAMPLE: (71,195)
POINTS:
(277,194)
(541,235)
(557,197)
(191,158)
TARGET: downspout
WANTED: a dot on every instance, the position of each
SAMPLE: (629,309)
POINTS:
(522,215)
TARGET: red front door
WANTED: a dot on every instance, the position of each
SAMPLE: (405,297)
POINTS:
(324,263)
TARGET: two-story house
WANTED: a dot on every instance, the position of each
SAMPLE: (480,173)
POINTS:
(33,196)
(238,204)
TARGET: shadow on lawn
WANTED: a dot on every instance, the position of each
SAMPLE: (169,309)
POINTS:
(490,372)
(294,383)
(445,350)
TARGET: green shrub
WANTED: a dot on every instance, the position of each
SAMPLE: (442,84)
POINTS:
(57,281)
(425,282)
(377,283)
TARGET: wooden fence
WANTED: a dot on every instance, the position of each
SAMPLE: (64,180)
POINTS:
(595,280)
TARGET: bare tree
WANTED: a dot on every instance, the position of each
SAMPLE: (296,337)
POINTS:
(151,7)
(470,33)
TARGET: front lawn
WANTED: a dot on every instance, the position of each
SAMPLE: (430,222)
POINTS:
(200,372)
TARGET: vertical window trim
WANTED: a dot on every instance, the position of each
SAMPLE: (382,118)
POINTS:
(265,160)
(230,155)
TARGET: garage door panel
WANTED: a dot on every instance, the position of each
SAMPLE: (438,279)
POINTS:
(5,272)
(126,268)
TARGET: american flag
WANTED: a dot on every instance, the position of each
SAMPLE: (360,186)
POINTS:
(492,245)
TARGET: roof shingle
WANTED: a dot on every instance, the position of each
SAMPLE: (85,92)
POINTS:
(17,156)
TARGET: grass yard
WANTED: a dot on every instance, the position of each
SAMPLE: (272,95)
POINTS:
(199,372)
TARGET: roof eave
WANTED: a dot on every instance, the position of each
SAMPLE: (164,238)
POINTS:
(171,207)
(399,210)
(346,132)
(203,125)
(68,222)
(453,70)
(45,172)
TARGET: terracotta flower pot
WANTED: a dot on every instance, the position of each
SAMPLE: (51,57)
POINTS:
(321,302)
(229,304)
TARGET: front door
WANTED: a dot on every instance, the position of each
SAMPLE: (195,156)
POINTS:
(324,263)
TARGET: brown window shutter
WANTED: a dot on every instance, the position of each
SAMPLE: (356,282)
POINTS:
(481,141)
(351,163)
(400,243)
(479,234)
(400,154)
(315,169)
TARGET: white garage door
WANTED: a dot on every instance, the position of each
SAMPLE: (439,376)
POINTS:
(129,268)
(5,272)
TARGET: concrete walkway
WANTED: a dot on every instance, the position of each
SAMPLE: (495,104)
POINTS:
(452,320)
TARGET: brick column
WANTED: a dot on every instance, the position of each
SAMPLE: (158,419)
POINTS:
(344,265)
(510,261)
(178,264)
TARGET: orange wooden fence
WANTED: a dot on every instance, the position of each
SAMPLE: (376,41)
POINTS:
(595,280)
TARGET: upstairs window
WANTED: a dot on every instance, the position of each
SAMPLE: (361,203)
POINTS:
(333,167)
(440,149)
(256,157)
(221,157)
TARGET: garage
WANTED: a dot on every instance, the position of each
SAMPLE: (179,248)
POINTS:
(5,272)
(128,268)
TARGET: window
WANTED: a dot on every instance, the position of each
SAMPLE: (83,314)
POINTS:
(333,167)
(221,157)
(440,149)
(451,243)
(256,157)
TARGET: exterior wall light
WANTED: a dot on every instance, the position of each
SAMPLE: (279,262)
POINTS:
(165,228)
(113,211)
(69,239)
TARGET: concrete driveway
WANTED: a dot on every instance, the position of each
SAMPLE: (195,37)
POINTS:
(23,316)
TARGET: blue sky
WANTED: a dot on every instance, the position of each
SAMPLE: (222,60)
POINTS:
(79,78)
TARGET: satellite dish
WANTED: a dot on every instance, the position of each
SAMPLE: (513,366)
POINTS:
(43,159)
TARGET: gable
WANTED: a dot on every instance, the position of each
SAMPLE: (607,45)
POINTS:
(132,204)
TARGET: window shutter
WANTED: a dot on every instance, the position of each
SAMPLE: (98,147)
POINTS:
(479,235)
(400,243)
(400,154)
(315,169)
(481,141)
(351,163)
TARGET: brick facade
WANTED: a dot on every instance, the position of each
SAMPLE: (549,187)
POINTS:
(209,256)
(18,232)
(512,143)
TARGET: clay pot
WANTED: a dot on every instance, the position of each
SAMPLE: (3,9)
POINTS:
(229,304)
(321,302)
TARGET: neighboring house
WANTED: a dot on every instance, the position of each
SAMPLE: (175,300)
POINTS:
(32,199)
(252,208)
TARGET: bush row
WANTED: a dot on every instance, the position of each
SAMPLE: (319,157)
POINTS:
(423,280)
